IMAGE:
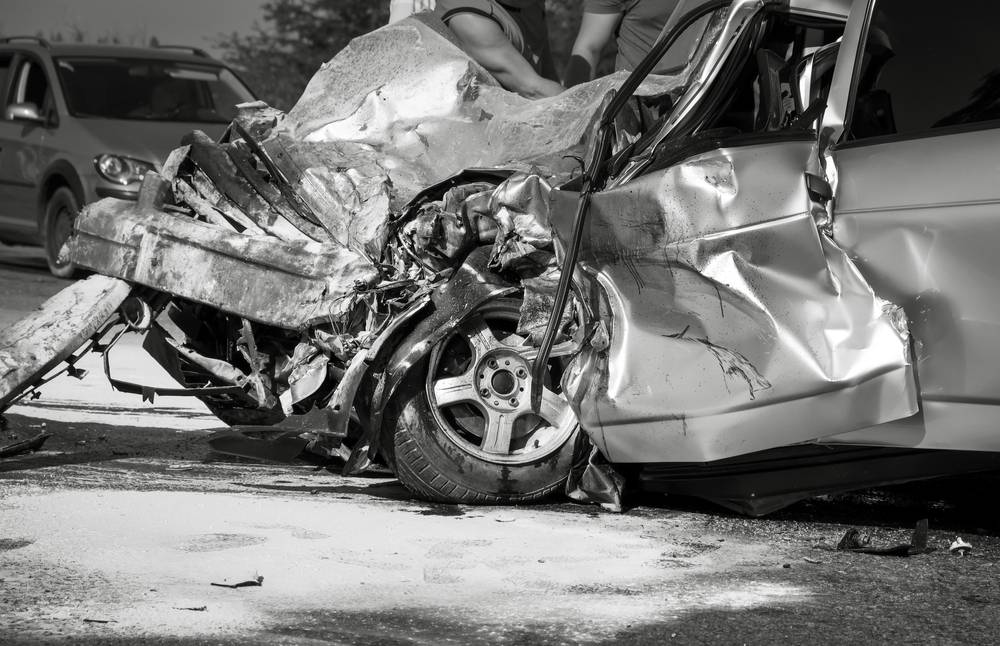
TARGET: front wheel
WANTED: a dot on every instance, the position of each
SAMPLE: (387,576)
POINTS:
(464,430)
(57,225)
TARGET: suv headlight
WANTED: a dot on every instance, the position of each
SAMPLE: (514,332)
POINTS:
(121,170)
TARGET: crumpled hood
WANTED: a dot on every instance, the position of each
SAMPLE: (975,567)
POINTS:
(408,93)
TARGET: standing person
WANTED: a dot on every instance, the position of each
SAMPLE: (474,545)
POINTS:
(399,9)
(635,25)
(509,38)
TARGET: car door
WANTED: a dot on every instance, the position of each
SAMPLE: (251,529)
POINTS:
(735,325)
(24,150)
(916,161)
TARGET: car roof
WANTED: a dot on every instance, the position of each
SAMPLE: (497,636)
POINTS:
(164,52)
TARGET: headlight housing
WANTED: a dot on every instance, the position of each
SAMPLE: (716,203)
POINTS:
(121,170)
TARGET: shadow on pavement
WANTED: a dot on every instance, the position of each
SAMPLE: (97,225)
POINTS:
(958,504)
(23,257)
(80,443)
(386,490)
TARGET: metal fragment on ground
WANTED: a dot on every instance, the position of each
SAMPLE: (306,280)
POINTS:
(254,581)
(29,445)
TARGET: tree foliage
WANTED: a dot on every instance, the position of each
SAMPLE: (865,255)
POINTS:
(295,37)
(76,34)
(281,54)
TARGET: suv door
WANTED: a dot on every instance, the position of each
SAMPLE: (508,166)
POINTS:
(918,200)
(24,153)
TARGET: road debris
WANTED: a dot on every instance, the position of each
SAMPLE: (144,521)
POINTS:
(254,581)
(854,541)
(281,446)
(593,479)
(193,608)
(24,446)
(959,547)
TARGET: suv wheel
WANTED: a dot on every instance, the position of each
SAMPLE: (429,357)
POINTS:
(57,225)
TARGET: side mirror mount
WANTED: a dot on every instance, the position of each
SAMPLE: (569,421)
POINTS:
(23,112)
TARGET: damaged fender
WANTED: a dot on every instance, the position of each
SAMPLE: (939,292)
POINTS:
(471,286)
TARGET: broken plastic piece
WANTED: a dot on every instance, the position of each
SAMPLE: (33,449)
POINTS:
(283,448)
(959,547)
(76,373)
(254,581)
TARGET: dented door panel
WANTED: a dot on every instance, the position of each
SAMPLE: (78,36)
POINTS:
(735,326)
(930,246)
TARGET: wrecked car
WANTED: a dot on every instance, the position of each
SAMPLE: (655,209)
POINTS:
(763,277)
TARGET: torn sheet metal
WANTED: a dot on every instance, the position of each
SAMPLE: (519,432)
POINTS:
(409,93)
(593,479)
(523,246)
(736,326)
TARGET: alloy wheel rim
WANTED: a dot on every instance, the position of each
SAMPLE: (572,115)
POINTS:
(485,409)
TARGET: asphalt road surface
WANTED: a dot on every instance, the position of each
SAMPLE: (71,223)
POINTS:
(115,532)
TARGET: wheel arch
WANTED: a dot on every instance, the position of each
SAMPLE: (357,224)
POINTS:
(399,350)
(59,174)
(471,286)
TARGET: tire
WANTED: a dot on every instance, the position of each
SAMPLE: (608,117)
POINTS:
(57,225)
(452,444)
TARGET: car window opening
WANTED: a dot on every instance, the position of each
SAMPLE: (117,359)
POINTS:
(150,90)
(762,98)
(907,87)
(757,96)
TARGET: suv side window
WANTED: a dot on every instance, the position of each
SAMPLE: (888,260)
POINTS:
(33,87)
(927,66)
(5,62)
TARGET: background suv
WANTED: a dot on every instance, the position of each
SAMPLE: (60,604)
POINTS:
(82,122)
